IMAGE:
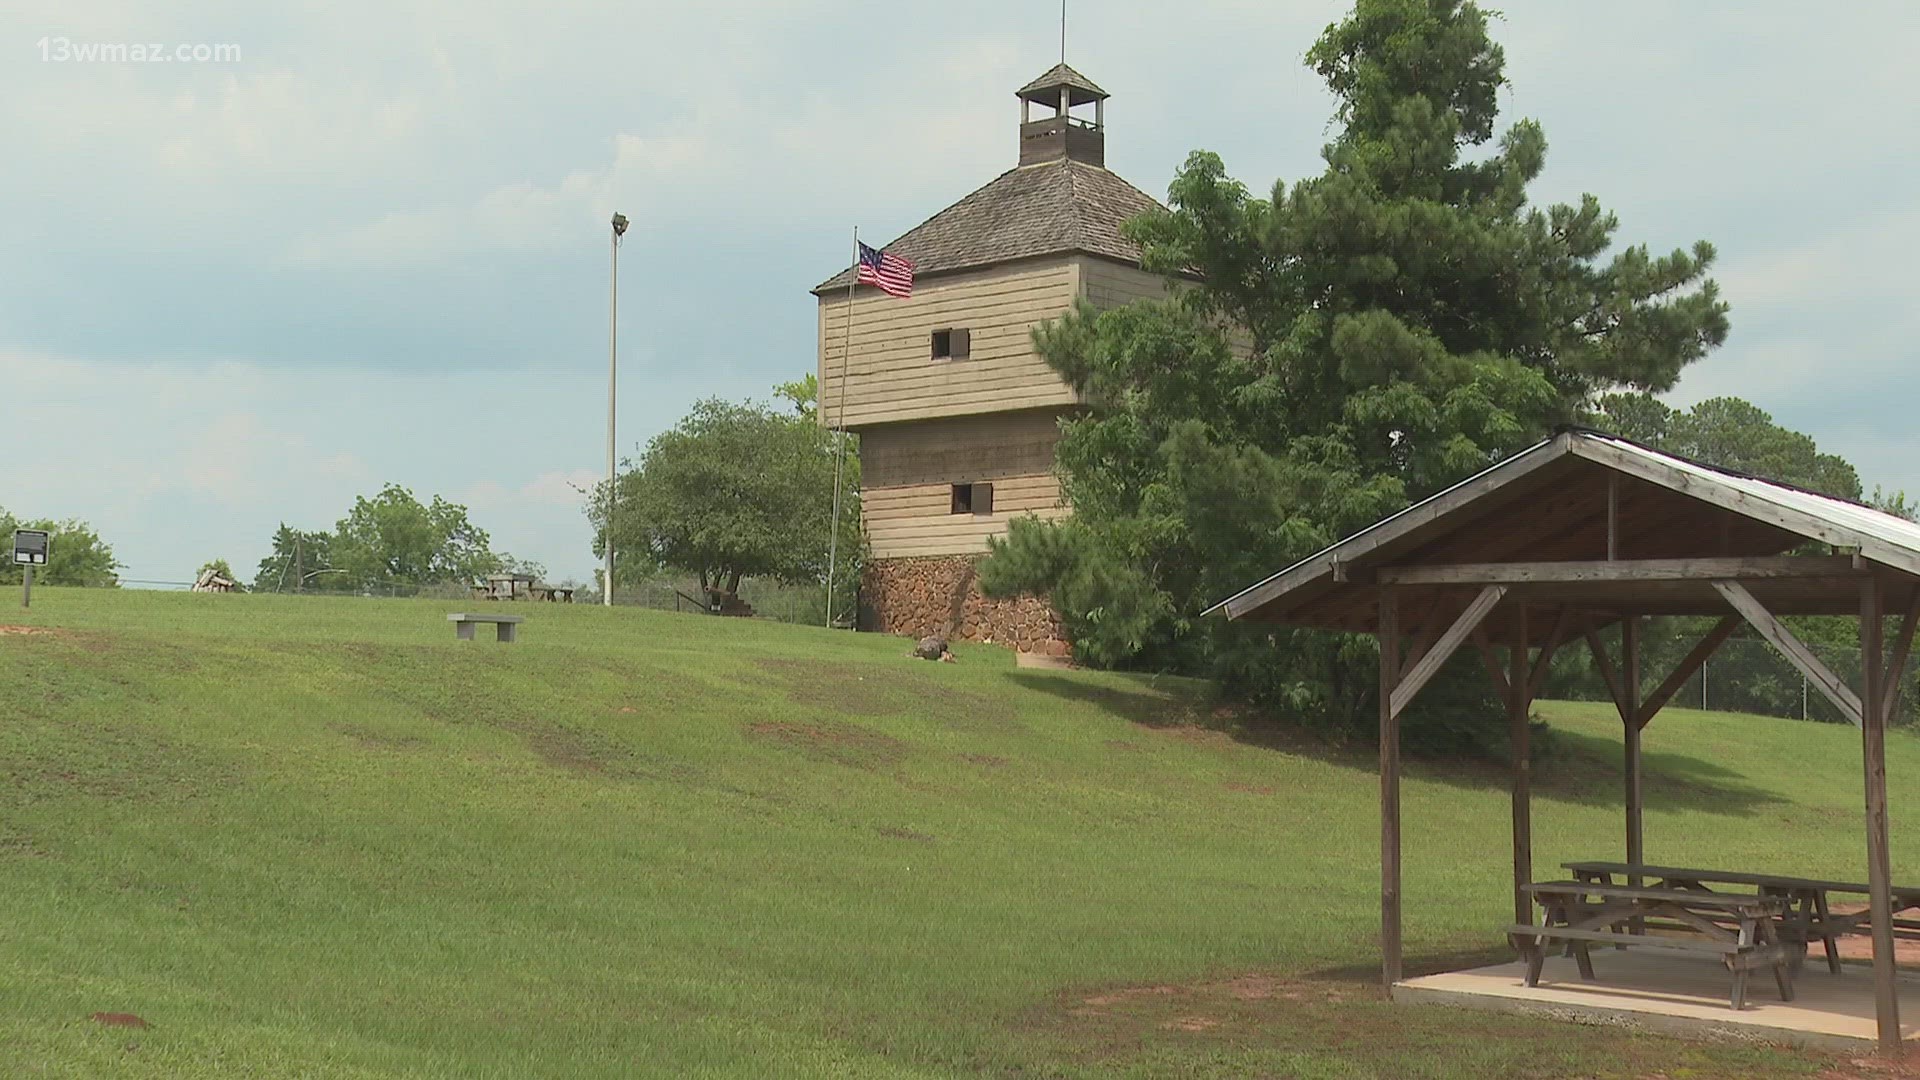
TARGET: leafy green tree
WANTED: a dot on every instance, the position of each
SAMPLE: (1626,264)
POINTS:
(1359,339)
(1732,434)
(803,394)
(394,540)
(735,491)
(510,563)
(78,555)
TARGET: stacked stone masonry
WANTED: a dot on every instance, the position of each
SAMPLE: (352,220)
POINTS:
(940,595)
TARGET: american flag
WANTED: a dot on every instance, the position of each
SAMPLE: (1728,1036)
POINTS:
(886,271)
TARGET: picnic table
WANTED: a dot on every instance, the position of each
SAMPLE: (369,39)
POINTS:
(1808,917)
(1739,928)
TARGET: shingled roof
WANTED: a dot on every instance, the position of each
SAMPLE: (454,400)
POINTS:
(1050,208)
(1057,76)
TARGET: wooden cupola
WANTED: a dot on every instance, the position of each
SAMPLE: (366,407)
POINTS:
(1062,134)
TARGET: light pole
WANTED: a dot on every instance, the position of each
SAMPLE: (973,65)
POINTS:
(613,370)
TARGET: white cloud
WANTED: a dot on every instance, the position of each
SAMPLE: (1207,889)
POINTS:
(179,462)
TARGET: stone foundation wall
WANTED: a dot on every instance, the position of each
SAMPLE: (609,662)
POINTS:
(938,594)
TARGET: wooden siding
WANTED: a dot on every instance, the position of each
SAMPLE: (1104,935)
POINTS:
(916,519)
(894,377)
(958,449)
(1109,284)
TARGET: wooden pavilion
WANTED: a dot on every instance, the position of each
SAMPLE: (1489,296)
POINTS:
(1583,531)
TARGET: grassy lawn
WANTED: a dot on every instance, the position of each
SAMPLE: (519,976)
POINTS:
(320,837)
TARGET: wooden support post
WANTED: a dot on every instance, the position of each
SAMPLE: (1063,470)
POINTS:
(1389,789)
(1613,516)
(1630,727)
(1873,744)
(1519,698)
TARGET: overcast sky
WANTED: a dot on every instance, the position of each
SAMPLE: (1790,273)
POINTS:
(373,248)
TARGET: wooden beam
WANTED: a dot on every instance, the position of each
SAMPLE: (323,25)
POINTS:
(1576,571)
(1902,647)
(1552,645)
(1831,685)
(1423,638)
(1519,702)
(1389,789)
(1873,754)
(1492,663)
(1684,670)
(1605,663)
(1429,664)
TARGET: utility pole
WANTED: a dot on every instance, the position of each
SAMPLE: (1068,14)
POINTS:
(613,373)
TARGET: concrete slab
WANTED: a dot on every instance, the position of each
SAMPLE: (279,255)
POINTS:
(1677,994)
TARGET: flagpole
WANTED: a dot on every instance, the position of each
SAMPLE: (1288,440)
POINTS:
(840,418)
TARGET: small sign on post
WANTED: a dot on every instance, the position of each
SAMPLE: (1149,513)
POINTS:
(30,549)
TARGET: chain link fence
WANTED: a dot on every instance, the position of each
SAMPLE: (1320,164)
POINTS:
(804,605)
(1746,674)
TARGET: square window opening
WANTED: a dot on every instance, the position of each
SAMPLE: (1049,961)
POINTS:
(953,343)
(975,498)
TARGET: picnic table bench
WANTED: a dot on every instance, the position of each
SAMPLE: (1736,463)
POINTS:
(1740,929)
(1808,916)
(505,626)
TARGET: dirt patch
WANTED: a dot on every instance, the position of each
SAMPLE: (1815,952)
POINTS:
(876,690)
(898,833)
(1120,744)
(118,1020)
(17,844)
(1330,1025)
(826,740)
(987,761)
(1860,946)
(1904,1066)
(583,752)
(1200,736)
(380,740)
(30,631)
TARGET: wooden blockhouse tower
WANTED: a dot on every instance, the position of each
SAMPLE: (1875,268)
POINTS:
(956,412)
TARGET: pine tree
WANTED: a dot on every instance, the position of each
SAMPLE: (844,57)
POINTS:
(1359,339)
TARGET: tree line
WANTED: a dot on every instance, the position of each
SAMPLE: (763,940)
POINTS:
(389,542)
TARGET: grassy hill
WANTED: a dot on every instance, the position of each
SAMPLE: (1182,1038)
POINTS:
(320,837)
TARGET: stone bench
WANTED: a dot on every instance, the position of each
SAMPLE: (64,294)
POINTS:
(505,626)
